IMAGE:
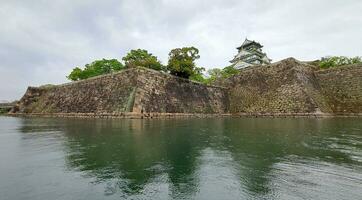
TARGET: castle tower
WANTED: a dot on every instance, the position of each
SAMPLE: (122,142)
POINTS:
(250,53)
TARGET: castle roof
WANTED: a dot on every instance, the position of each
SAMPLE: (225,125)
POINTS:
(248,43)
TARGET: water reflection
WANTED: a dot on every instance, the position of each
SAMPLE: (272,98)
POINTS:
(133,152)
(182,159)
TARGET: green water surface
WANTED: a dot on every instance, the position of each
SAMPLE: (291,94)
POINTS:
(227,158)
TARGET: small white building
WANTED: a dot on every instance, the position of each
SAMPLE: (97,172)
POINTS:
(250,53)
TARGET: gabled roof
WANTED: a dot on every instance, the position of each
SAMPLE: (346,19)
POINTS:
(250,42)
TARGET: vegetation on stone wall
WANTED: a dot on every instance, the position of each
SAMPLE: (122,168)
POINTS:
(141,58)
(198,75)
(213,75)
(219,74)
(181,63)
(95,68)
(335,61)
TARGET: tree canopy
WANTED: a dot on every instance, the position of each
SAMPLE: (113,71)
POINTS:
(198,75)
(217,74)
(96,68)
(181,62)
(142,58)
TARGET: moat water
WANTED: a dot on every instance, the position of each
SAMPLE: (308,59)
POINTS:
(244,158)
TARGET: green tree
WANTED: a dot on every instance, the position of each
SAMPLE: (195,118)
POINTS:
(76,74)
(218,74)
(142,58)
(96,68)
(198,75)
(229,71)
(213,75)
(181,62)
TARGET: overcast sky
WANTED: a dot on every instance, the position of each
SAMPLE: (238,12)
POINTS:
(42,40)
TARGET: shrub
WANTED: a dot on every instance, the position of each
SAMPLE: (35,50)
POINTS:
(335,61)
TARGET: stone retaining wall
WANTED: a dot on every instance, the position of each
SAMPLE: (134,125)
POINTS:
(136,90)
(342,88)
(163,93)
(291,86)
(109,93)
(133,115)
(285,88)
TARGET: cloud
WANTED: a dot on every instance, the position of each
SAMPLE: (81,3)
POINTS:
(41,41)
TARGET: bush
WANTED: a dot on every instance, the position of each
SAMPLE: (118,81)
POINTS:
(335,61)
